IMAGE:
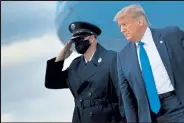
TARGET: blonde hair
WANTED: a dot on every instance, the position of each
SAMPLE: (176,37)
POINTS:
(136,11)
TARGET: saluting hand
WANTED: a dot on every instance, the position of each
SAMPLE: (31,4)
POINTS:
(65,52)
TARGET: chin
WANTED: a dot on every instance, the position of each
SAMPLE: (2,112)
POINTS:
(128,38)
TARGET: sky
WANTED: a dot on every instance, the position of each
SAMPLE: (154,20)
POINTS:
(29,39)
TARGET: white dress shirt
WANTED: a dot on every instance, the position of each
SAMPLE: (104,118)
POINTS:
(162,80)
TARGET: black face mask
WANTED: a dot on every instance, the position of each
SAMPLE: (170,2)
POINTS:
(82,46)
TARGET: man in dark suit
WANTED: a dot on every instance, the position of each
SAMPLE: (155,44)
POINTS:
(91,77)
(150,69)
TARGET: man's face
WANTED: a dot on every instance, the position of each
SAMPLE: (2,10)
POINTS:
(129,27)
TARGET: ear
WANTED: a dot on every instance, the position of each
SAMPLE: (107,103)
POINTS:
(141,21)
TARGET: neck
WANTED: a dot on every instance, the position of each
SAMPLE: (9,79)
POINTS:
(90,51)
(142,31)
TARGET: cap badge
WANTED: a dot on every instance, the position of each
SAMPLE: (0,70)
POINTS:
(73,26)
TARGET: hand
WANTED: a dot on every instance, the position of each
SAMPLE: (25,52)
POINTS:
(65,52)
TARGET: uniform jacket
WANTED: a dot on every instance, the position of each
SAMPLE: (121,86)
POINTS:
(93,85)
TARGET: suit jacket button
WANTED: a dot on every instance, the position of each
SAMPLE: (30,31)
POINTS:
(81,114)
(90,114)
(89,94)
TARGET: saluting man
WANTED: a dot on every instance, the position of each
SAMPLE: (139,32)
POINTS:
(91,77)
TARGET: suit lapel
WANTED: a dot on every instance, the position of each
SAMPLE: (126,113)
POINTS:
(162,50)
(136,67)
(91,68)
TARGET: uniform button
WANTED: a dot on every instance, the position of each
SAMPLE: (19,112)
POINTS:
(89,94)
(90,114)
(80,100)
(81,114)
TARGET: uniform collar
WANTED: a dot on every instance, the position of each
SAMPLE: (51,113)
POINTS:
(98,56)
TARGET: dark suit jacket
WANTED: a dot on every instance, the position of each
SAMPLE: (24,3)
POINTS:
(94,86)
(130,78)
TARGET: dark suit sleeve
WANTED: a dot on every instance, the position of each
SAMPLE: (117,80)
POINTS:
(128,100)
(55,78)
(114,77)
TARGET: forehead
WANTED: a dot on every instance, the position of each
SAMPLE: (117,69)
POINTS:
(127,17)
